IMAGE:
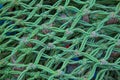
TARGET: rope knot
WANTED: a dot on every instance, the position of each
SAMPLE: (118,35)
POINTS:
(31,66)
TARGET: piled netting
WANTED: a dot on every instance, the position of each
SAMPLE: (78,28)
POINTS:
(59,40)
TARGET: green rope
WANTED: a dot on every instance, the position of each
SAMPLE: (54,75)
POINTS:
(59,40)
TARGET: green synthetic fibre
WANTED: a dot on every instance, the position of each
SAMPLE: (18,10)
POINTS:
(59,39)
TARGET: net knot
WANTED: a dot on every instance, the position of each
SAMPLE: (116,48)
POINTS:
(63,16)
(103,62)
(112,14)
(113,19)
(56,57)
(24,40)
(76,52)
(50,46)
(86,11)
(118,43)
(45,28)
(51,35)
(59,72)
(61,8)
(93,34)
(39,5)
(31,66)
(68,32)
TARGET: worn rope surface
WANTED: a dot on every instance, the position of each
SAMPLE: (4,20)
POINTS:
(59,40)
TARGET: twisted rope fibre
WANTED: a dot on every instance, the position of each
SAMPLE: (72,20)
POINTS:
(59,40)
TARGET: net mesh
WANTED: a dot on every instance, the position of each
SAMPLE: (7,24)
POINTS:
(59,40)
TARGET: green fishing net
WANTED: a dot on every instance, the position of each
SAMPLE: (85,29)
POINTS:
(59,39)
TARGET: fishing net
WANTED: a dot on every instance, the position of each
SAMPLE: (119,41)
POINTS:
(59,39)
